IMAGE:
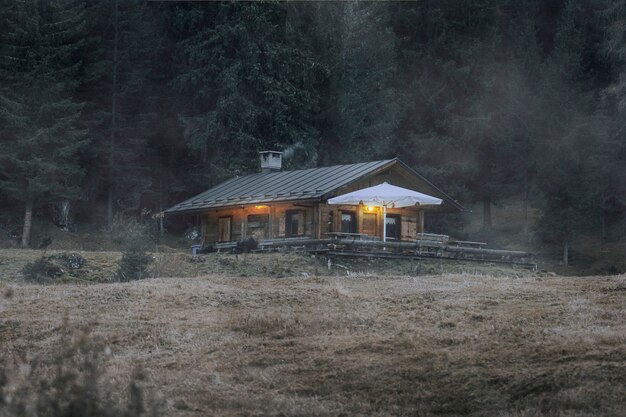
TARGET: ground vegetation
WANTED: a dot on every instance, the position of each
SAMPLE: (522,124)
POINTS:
(448,345)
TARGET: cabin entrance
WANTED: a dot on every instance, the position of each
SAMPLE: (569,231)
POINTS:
(224,227)
(348,222)
(392,226)
(368,224)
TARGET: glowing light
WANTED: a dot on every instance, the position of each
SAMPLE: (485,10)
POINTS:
(260,207)
(370,208)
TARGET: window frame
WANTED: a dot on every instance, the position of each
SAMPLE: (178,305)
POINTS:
(288,224)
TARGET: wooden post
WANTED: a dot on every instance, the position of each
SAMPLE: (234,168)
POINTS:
(270,223)
(420,221)
(203,229)
(318,223)
(243,224)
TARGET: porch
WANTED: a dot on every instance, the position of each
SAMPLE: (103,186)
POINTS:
(363,246)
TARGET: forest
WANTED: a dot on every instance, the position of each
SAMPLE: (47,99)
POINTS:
(117,107)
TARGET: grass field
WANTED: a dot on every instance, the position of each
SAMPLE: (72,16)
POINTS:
(456,344)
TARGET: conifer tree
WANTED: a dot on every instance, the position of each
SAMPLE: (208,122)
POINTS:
(41,137)
(125,38)
(358,102)
(245,86)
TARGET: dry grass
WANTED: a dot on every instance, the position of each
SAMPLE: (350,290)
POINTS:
(360,345)
(103,266)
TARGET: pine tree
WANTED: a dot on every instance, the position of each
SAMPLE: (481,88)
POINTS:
(245,86)
(613,17)
(580,164)
(41,137)
(120,112)
(359,104)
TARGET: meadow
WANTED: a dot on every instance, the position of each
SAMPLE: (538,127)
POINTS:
(368,345)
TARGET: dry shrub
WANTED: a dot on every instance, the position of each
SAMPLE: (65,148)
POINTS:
(72,383)
(125,226)
(135,260)
(42,270)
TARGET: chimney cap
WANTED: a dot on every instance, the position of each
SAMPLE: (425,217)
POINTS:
(271,161)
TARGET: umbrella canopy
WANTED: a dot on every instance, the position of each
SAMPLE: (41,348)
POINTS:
(386,195)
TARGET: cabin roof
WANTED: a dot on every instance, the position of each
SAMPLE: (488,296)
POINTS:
(288,186)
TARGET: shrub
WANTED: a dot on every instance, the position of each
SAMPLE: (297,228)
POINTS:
(135,261)
(42,270)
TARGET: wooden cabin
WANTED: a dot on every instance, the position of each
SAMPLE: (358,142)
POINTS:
(276,204)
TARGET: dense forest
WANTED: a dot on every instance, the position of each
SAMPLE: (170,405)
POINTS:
(126,107)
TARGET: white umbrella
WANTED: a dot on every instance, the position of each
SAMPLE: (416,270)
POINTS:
(386,195)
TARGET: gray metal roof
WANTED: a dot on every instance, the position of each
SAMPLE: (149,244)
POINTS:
(304,184)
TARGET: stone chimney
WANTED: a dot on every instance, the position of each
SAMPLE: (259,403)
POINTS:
(271,161)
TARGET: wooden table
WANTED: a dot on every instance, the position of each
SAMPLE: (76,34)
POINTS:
(339,235)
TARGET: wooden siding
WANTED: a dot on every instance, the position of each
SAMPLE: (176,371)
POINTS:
(314,225)
(275,227)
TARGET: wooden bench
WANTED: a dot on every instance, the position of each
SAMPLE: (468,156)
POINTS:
(432,237)
(467,243)
(225,246)
(342,235)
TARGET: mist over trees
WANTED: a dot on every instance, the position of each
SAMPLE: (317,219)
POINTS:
(120,106)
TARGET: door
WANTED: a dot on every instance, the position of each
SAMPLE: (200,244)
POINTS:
(393,227)
(348,222)
(368,224)
(224,225)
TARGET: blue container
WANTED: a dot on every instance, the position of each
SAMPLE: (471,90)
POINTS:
(195,249)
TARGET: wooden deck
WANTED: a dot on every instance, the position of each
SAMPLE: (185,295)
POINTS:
(360,245)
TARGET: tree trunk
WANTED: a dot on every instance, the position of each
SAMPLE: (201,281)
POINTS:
(487,212)
(28,221)
(110,207)
(113,120)
(161,229)
(525,207)
(566,253)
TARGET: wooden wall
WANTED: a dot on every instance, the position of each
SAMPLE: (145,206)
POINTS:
(319,220)
(275,228)
(331,219)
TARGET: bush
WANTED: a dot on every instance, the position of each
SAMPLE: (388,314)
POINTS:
(72,384)
(135,261)
(42,270)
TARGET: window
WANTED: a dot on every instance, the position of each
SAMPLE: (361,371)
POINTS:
(392,226)
(257,226)
(348,222)
(224,225)
(294,223)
